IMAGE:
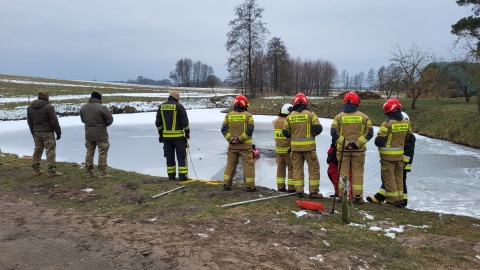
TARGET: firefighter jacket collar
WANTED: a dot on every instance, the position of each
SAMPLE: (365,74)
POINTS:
(239,109)
(349,107)
(396,115)
(299,107)
(172,98)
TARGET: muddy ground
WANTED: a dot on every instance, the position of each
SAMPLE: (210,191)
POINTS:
(34,235)
(37,237)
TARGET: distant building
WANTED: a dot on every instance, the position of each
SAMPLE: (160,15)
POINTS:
(451,79)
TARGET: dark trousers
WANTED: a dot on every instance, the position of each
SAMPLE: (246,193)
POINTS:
(172,147)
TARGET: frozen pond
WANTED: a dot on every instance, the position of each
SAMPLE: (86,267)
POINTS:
(445,177)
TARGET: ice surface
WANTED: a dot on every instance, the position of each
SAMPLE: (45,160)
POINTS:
(445,177)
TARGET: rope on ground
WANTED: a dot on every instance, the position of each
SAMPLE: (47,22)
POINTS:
(191,161)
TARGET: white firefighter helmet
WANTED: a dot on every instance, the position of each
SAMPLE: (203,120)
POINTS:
(405,116)
(286,108)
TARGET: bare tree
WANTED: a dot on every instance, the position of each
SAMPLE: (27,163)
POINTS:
(277,58)
(245,40)
(467,29)
(381,78)
(361,79)
(412,62)
(344,79)
(463,74)
(236,72)
(371,80)
(188,73)
(389,80)
(212,81)
(197,67)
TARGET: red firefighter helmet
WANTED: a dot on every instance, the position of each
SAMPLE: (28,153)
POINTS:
(392,105)
(300,99)
(351,97)
(240,101)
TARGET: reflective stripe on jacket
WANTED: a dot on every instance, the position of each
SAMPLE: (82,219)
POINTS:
(396,133)
(171,119)
(282,143)
(238,124)
(301,126)
(352,126)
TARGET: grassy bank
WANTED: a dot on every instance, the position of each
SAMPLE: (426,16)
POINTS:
(447,119)
(426,240)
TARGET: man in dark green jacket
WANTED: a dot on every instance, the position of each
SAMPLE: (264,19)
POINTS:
(43,122)
(96,118)
(174,132)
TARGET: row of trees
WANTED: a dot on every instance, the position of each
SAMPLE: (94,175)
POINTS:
(257,70)
(188,73)
(147,81)
(358,81)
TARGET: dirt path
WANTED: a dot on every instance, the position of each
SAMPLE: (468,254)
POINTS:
(36,237)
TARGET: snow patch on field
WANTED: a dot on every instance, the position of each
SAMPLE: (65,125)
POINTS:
(202,101)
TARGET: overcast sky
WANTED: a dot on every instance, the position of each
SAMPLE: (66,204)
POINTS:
(112,40)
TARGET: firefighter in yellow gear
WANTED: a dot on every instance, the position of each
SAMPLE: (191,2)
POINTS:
(302,126)
(237,128)
(408,153)
(390,140)
(282,148)
(350,131)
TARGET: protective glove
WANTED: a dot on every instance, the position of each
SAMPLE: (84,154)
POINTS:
(187,134)
(59,136)
(160,138)
(351,145)
(233,140)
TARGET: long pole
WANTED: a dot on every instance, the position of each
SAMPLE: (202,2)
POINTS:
(257,200)
(338,178)
(346,193)
(163,193)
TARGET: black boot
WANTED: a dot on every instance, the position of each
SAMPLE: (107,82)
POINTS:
(182,177)
(171,176)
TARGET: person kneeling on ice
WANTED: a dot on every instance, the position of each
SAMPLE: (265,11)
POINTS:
(282,149)
(237,128)
(390,140)
(408,153)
